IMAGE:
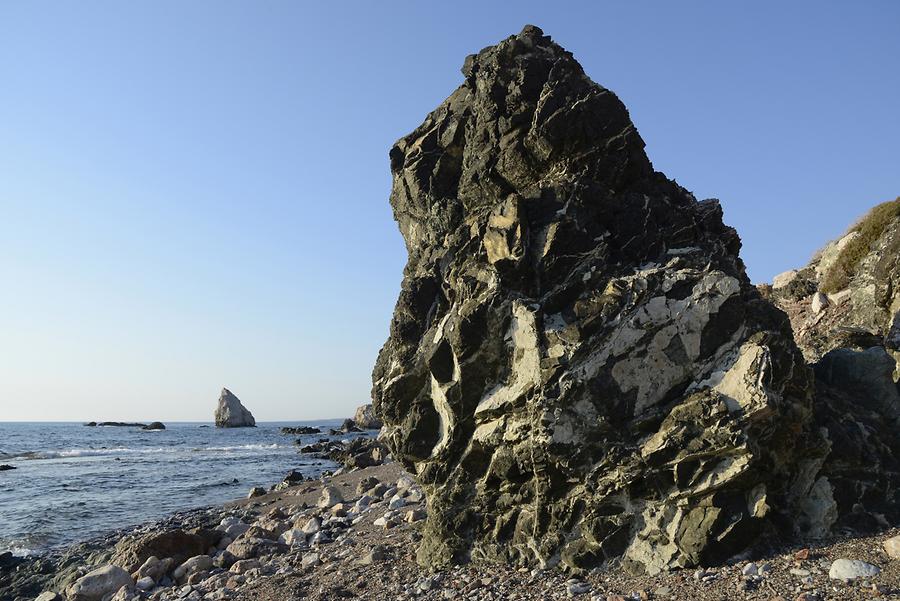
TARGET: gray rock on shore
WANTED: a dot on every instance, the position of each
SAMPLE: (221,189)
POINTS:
(96,585)
(851,569)
(366,418)
(231,413)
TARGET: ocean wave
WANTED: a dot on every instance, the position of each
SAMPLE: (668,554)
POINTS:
(62,454)
(243,447)
(68,453)
(18,551)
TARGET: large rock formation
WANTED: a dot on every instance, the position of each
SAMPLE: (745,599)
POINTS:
(845,311)
(231,413)
(578,368)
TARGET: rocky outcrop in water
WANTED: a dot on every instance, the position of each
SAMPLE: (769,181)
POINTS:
(231,413)
(347,427)
(299,430)
(578,368)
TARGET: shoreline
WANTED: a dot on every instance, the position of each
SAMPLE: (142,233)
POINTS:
(72,484)
(354,535)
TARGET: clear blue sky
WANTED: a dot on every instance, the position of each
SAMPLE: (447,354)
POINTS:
(195,194)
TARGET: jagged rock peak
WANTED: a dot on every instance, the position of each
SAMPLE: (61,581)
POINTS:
(578,368)
(231,413)
(533,114)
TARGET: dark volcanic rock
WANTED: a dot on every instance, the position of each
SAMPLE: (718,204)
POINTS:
(321,446)
(294,477)
(300,430)
(155,426)
(347,427)
(578,367)
(858,404)
(9,561)
(132,552)
(360,452)
(844,308)
(5,467)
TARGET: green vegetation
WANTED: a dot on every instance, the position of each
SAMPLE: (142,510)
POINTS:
(870,229)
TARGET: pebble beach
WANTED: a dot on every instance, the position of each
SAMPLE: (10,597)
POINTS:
(354,535)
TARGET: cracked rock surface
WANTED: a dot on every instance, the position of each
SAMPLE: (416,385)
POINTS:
(578,367)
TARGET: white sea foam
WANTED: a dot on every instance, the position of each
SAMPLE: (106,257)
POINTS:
(17,550)
(243,447)
(85,453)
(67,453)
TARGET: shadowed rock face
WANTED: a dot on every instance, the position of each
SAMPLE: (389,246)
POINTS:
(578,367)
(844,307)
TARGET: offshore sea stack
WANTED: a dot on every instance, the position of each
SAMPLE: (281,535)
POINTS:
(578,367)
(231,413)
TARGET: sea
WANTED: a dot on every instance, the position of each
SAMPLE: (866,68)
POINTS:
(73,482)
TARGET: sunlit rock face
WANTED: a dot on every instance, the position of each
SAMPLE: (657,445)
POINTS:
(578,368)
(848,296)
(231,413)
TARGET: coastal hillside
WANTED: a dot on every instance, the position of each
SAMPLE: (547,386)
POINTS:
(849,293)
(844,308)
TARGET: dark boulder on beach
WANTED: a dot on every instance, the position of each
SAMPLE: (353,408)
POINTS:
(131,552)
(844,306)
(320,447)
(294,477)
(256,491)
(9,561)
(359,453)
(579,369)
(347,427)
